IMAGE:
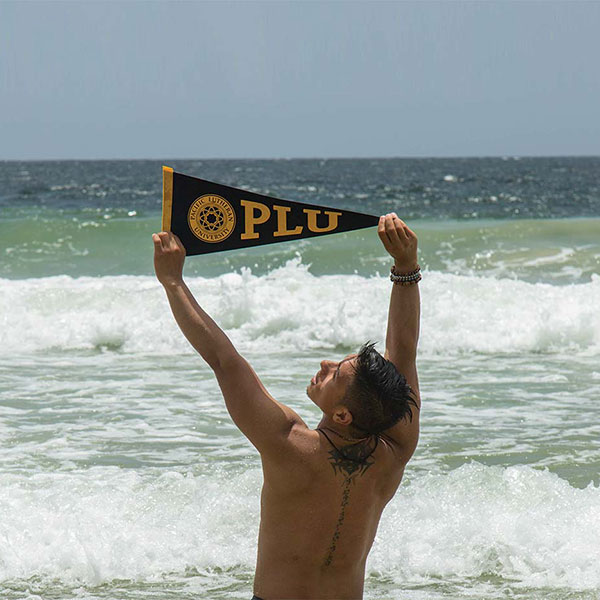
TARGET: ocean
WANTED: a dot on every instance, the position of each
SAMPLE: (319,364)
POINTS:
(122,476)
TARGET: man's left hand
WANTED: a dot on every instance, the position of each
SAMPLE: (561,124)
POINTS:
(169,256)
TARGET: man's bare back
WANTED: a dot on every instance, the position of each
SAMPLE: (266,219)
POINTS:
(324,490)
(319,515)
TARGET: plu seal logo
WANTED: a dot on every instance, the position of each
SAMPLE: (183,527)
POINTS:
(211,218)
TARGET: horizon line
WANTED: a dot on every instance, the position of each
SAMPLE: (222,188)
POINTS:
(322,158)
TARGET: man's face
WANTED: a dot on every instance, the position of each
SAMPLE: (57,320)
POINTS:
(328,386)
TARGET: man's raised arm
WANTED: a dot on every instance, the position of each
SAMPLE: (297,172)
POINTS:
(263,420)
(403,322)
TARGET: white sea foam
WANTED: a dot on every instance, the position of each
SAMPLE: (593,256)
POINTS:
(107,523)
(292,309)
(520,524)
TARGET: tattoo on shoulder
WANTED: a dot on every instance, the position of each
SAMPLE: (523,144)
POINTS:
(352,460)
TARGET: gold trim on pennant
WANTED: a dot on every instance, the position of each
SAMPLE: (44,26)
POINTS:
(167,200)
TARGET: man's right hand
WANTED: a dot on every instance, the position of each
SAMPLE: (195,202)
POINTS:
(400,242)
(169,256)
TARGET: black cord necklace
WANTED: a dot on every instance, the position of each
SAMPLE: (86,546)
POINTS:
(360,460)
(345,438)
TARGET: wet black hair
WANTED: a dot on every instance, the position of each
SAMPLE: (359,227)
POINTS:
(378,395)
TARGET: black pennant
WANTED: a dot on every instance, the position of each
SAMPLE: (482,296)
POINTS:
(210,217)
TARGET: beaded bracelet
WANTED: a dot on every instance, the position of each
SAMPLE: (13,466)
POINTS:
(405,278)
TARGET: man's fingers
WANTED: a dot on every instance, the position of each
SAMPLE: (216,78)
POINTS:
(157,242)
(391,230)
(409,232)
(167,240)
(178,242)
(401,227)
(164,239)
(381,226)
(383,234)
(175,243)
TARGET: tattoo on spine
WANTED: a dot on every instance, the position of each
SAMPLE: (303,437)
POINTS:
(353,462)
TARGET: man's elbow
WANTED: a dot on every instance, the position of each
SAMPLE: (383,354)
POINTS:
(401,354)
(225,361)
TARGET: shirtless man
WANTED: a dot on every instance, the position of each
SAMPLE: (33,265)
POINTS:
(324,489)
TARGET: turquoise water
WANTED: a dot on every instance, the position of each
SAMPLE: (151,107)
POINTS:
(123,477)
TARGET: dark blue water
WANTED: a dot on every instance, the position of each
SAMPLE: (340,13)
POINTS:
(458,188)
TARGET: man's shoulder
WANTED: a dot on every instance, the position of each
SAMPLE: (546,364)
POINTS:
(304,443)
(299,440)
(308,462)
(310,446)
(292,468)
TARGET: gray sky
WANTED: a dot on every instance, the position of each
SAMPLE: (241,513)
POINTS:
(298,79)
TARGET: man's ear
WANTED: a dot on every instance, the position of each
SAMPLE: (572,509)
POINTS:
(342,416)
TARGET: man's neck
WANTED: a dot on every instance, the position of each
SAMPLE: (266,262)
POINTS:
(341,431)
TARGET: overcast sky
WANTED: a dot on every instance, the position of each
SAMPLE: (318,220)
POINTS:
(298,79)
